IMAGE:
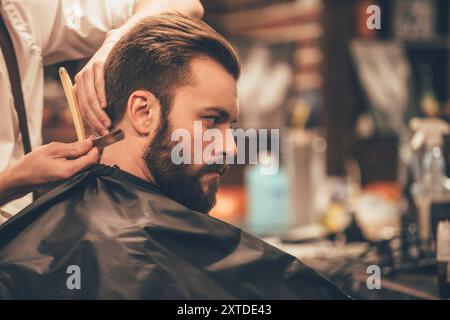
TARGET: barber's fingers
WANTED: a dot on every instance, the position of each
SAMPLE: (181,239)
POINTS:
(197,9)
(95,123)
(81,97)
(92,113)
(90,86)
(75,165)
(99,76)
(71,150)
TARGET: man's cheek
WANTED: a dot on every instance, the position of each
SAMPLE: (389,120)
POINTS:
(192,169)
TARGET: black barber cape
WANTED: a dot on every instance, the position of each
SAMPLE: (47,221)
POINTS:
(122,239)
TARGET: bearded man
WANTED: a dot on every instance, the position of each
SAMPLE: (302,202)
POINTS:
(136,226)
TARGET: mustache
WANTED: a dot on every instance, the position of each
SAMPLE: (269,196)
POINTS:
(214,168)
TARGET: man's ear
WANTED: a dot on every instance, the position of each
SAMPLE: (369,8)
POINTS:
(143,109)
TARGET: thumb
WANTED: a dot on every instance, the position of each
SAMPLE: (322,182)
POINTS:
(82,162)
(73,150)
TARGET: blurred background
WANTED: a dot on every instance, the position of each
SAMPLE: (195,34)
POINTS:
(363,119)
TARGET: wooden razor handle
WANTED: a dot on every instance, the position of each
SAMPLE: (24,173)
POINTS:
(73,104)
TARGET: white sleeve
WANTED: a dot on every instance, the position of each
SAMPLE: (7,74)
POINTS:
(74,29)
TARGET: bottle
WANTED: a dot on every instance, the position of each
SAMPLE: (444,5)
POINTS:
(443,259)
(428,102)
(433,166)
(268,199)
(430,184)
(409,248)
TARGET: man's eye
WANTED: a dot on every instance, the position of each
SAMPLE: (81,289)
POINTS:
(212,121)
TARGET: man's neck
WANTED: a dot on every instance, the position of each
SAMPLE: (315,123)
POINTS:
(127,158)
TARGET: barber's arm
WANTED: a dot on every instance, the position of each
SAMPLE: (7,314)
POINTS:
(48,163)
(90,86)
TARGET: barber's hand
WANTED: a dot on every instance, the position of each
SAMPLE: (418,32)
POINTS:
(193,8)
(90,91)
(48,163)
(55,161)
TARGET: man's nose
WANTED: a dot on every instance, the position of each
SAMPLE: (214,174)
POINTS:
(230,147)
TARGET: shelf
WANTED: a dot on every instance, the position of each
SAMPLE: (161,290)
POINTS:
(437,43)
(293,13)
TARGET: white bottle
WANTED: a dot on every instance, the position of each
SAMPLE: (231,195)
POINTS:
(431,181)
(433,166)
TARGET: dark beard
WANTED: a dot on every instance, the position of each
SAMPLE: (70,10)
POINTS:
(180,182)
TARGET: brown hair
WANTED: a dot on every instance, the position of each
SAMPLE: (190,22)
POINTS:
(155,54)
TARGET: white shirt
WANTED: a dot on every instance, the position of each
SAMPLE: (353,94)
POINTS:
(46,32)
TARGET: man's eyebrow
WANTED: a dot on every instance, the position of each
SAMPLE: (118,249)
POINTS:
(224,114)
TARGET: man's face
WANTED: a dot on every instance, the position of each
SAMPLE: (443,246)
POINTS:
(211,101)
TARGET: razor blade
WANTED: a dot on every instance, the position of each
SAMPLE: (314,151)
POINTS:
(109,139)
